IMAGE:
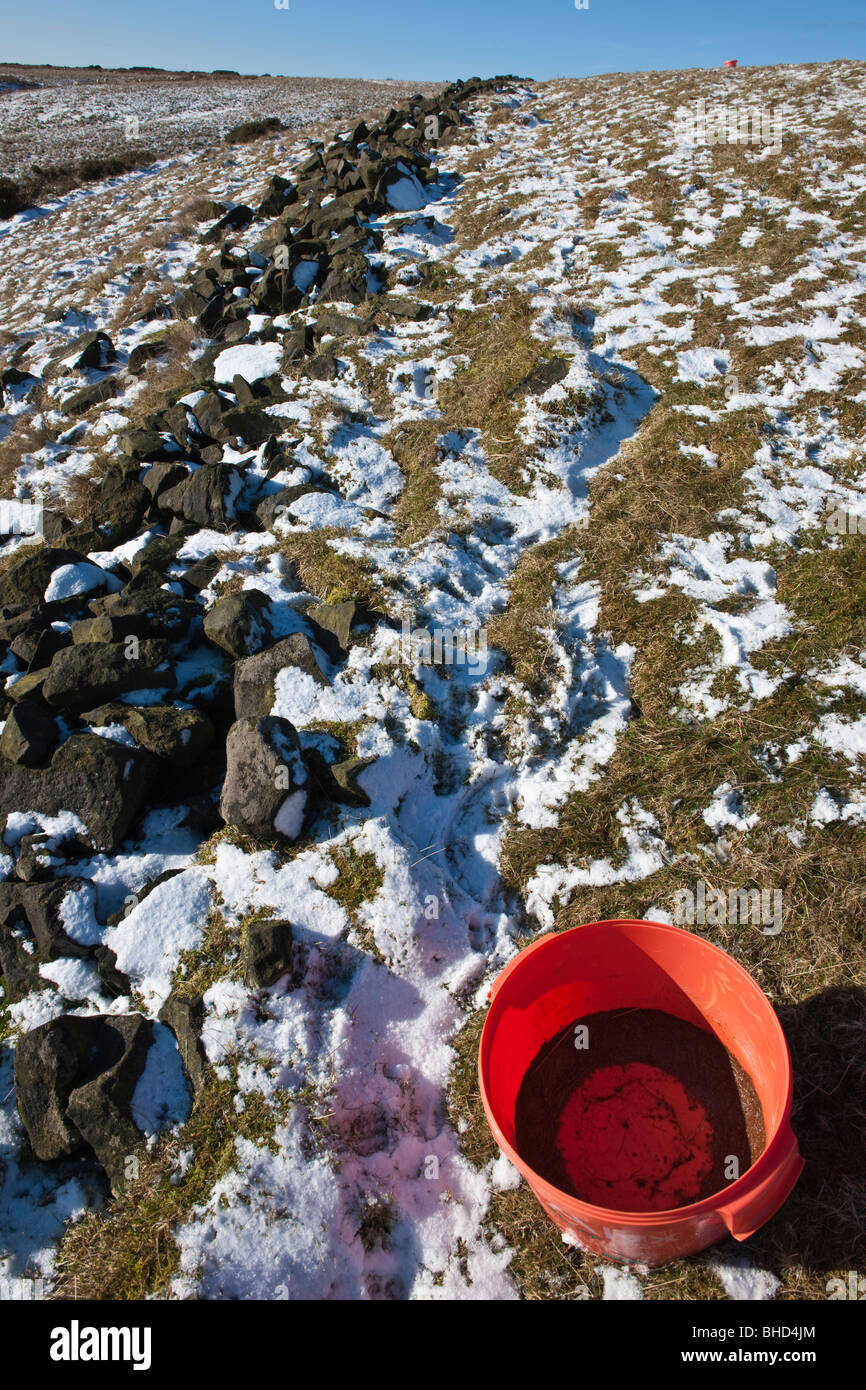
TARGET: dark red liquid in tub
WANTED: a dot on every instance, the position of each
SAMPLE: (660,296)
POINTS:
(651,1114)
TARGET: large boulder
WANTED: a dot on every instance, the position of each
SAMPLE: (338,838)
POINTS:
(45,906)
(177,736)
(23,586)
(103,783)
(255,677)
(92,672)
(239,623)
(147,610)
(28,734)
(267,784)
(74,1082)
(207,497)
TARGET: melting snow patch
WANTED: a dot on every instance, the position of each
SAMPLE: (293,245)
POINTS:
(742,1281)
(618,1285)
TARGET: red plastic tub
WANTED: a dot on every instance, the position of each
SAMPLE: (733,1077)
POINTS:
(565,976)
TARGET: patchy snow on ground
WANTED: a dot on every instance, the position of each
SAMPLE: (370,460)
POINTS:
(355,1062)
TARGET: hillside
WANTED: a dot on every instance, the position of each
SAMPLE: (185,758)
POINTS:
(523,366)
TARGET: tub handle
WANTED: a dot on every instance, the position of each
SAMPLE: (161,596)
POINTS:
(747,1214)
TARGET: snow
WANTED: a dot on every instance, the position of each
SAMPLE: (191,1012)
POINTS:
(150,938)
(406,195)
(80,578)
(252,361)
(618,1285)
(290,816)
(742,1281)
(353,1062)
(161,1098)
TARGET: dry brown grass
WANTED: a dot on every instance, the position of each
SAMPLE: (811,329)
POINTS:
(27,436)
(415,449)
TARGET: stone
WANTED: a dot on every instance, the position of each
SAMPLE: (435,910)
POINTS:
(38,644)
(276,504)
(345,788)
(19,968)
(341,326)
(29,734)
(103,783)
(97,351)
(82,401)
(184,1015)
(267,953)
(340,621)
(113,980)
(239,623)
(149,445)
(323,367)
(235,220)
(91,673)
(207,497)
(75,1078)
(281,193)
(297,345)
(160,610)
(255,676)
(267,784)
(541,378)
(24,584)
(178,736)
(162,475)
(120,511)
(146,352)
(43,907)
(402,307)
(252,425)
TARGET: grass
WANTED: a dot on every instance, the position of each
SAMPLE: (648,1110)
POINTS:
(361,878)
(671,765)
(814,971)
(414,446)
(497,339)
(327,573)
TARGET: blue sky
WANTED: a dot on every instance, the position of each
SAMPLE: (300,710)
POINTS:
(430,39)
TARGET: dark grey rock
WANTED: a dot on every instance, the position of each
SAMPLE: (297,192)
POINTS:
(103,783)
(184,1015)
(28,735)
(74,1082)
(255,676)
(239,623)
(178,736)
(91,673)
(267,953)
(267,784)
(541,378)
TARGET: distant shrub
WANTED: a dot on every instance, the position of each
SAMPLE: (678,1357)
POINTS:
(253,130)
(11,199)
(57,179)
